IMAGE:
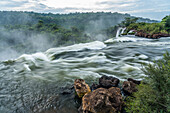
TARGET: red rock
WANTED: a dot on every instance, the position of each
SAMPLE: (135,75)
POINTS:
(81,87)
(154,36)
(102,100)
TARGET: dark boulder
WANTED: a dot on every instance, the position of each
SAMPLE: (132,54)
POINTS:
(102,100)
(129,87)
(134,81)
(108,81)
(94,86)
(115,98)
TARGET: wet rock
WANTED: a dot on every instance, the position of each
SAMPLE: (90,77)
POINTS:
(94,86)
(81,87)
(154,36)
(129,87)
(115,98)
(108,81)
(164,35)
(134,81)
(102,100)
(67,90)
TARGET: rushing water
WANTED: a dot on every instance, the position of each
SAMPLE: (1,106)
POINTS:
(43,82)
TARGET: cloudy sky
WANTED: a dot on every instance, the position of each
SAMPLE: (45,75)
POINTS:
(153,9)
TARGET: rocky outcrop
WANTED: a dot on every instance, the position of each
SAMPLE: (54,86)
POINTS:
(129,86)
(81,87)
(102,100)
(154,36)
(134,81)
(105,97)
(108,81)
(94,86)
(160,35)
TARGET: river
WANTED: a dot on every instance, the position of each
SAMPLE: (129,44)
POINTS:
(43,82)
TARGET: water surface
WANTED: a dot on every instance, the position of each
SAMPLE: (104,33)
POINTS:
(43,82)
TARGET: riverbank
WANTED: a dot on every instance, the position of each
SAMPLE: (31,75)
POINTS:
(153,36)
(148,30)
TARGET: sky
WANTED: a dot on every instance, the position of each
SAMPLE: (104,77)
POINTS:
(153,9)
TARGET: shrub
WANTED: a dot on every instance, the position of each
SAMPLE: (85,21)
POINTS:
(153,96)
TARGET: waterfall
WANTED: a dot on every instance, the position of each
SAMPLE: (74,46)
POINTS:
(123,29)
(118,31)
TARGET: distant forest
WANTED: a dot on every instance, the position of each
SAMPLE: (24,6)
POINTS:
(27,32)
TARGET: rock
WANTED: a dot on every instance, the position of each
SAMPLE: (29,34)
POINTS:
(142,34)
(102,100)
(81,87)
(154,36)
(164,35)
(94,86)
(129,87)
(116,98)
(108,81)
(66,90)
(134,81)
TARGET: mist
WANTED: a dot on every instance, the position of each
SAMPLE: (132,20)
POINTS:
(29,32)
(14,43)
(96,28)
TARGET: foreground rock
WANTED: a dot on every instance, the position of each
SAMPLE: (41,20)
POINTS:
(134,81)
(129,87)
(81,87)
(108,81)
(94,86)
(102,100)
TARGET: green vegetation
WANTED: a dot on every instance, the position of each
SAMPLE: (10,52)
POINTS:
(82,21)
(166,22)
(55,33)
(149,28)
(154,95)
(128,21)
(28,32)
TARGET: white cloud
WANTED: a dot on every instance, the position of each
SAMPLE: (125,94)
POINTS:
(66,6)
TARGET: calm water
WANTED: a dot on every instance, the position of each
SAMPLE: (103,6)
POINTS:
(42,82)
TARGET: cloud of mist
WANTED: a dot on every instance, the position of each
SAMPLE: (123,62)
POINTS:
(16,42)
(95,28)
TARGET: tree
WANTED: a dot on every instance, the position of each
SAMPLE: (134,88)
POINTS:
(129,21)
(39,24)
(166,22)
